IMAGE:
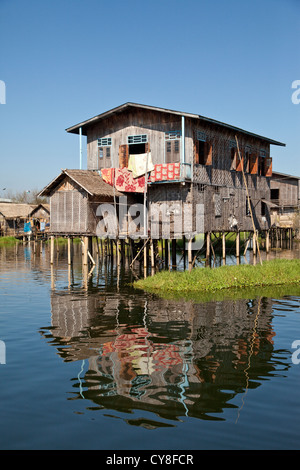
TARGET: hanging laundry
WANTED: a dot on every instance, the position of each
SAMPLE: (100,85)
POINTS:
(140,164)
(108,175)
(27,228)
(166,172)
(125,182)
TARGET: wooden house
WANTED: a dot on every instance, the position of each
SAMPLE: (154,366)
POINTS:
(40,217)
(74,198)
(13,216)
(196,161)
(285,199)
(192,174)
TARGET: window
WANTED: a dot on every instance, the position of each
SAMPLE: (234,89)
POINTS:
(218,204)
(246,160)
(172,148)
(263,209)
(104,148)
(275,194)
(233,158)
(203,149)
(137,139)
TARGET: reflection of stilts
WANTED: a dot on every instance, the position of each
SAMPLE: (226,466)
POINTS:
(250,355)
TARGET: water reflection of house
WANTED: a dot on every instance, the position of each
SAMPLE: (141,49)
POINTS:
(166,356)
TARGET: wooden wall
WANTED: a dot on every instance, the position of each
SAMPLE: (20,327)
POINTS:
(289,189)
(118,127)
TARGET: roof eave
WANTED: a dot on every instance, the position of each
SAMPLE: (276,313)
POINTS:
(84,124)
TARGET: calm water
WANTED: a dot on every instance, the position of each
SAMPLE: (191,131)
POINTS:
(99,365)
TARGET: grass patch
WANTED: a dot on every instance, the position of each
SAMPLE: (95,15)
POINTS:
(205,280)
(8,241)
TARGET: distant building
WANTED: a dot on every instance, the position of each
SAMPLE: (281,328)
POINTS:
(13,216)
(285,199)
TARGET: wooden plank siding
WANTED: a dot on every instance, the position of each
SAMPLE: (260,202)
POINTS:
(217,183)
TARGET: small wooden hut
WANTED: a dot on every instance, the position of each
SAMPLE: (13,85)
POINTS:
(74,198)
(285,199)
(40,217)
(13,217)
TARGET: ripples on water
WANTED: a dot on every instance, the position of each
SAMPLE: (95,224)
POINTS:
(97,364)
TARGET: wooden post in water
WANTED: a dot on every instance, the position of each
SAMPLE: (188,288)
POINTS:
(70,250)
(145,255)
(174,253)
(51,249)
(190,254)
(237,243)
(85,242)
(254,243)
(208,248)
(223,246)
(152,254)
(267,241)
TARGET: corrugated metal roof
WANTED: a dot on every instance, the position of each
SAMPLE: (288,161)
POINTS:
(119,109)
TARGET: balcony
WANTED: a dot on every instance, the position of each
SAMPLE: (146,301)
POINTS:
(124,180)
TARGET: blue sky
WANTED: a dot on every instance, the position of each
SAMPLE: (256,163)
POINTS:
(68,60)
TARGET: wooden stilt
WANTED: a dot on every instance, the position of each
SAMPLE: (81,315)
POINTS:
(174,264)
(51,249)
(118,252)
(85,242)
(254,243)
(166,252)
(223,245)
(190,254)
(70,250)
(267,241)
(152,254)
(237,242)
(208,247)
(145,256)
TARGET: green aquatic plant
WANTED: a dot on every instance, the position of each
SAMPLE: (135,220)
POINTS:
(269,273)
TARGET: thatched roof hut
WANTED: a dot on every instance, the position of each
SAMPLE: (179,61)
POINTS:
(15,210)
(74,198)
(87,180)
(13,216)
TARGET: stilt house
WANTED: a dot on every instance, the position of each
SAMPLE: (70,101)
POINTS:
(197,174)
(285,199)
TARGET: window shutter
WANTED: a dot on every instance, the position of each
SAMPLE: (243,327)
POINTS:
(233,158)
(253,164)
(196,151)
(123,156)
(208,153)
(239,162)
(268,164)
